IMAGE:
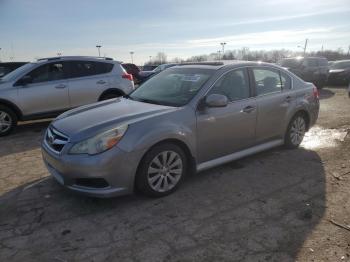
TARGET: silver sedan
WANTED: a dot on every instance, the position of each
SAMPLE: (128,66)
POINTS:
(187,118)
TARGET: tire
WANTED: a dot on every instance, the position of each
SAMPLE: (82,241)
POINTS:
(110,96)
(8,120)
(297,128)
(156,179)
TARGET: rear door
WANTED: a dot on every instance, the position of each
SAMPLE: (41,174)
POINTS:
(275,101)
(48,91)
(87,81)
(222,131)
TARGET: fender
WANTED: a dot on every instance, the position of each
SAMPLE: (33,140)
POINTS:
(11,105)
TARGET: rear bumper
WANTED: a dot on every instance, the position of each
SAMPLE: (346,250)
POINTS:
(116,167)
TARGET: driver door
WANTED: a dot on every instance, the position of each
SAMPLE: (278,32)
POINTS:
(224,130)
(48,90)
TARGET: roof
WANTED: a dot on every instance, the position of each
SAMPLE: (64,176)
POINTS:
(224,63)
(75,57)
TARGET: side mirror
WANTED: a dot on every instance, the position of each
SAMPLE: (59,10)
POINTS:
(216,100)
(25,80)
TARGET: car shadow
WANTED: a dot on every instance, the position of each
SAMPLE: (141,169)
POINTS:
(26,136)
(260,208)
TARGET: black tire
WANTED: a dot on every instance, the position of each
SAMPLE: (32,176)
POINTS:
(143,177)
(9,117)
(289,140)
(110,96)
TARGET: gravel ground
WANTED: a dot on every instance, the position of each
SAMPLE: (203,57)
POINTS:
(280,205)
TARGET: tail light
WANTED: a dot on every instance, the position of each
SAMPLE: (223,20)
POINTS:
(128,76)
(315,92)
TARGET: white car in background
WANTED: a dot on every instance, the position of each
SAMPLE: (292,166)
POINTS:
(49,86)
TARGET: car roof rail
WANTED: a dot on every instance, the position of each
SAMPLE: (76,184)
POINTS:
(76,57)
(203,63)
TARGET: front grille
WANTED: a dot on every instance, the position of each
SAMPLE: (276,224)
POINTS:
(55,139)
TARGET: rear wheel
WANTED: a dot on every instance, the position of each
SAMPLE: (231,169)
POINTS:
(8,120)
(296,131)
(161,170)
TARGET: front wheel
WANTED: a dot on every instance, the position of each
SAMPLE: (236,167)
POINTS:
(8,120)
(161,170)
(295,132)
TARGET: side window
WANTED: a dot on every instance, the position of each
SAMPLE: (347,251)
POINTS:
(89,68)
(267,81)
(103,68)
(286,81)
(48,72)
(234,85)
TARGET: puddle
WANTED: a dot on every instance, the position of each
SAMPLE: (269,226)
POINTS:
(319,137)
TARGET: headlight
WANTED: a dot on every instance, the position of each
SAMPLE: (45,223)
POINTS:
(99,143)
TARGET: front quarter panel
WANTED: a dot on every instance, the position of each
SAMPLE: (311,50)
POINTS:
(179,124)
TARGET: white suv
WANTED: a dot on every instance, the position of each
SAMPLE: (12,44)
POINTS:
(52,85)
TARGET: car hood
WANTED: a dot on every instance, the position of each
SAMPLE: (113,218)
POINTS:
(87,121)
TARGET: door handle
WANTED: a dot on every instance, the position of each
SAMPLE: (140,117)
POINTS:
(248,109)
(100,82)
(60,86)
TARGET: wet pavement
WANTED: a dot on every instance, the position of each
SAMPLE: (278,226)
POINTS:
(280,205)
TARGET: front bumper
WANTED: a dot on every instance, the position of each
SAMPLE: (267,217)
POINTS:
(116,167)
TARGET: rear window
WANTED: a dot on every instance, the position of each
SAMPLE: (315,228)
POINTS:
(291,62)
(323,62)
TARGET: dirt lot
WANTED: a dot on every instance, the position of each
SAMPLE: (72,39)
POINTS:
(280,205)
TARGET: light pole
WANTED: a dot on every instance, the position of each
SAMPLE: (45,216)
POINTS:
(150,58)
(219,56)
(0,53)
(132,56)
(223,48)
(98,48)
(306,40)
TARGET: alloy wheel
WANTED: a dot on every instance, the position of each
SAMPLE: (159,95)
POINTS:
(5,121)
(165,171)
(297,131)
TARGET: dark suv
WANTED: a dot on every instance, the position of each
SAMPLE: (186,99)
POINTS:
(310,69)
(8,67)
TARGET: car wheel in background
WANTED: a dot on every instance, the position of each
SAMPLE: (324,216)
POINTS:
(296,131)
(161,170)
(8,120)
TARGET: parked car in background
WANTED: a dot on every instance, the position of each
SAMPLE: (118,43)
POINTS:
(145,75)
(134,70)
(310,69)
(339,73)
(149,67)
(188,117)
(7,67)
(52,85)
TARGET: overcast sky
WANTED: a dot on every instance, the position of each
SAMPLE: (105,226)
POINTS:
(181,28)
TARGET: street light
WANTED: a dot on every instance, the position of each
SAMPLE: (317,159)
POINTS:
(132,56)
(223,48)
(219,56)
(98,48)
(0,53)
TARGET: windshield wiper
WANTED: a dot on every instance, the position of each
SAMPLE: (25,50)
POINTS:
(149,101)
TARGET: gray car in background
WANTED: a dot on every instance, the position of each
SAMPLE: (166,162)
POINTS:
(186,118)
(50,86)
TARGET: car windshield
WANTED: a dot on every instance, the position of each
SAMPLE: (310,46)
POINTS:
(173,87)
(10,76)
(291,62)
(340,65)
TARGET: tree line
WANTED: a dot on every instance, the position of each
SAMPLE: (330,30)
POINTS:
(271,56)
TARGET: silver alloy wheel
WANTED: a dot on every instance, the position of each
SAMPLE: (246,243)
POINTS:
(165,171)
(297,131)
(5,121)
